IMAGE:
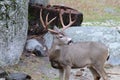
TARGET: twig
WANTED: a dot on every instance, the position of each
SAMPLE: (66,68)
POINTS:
(113,73)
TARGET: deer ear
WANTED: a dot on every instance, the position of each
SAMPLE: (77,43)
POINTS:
(56,29)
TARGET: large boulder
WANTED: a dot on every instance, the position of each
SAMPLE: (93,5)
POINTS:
(13,30)
(109,36)
(37,47)
(48,40)
(18,76)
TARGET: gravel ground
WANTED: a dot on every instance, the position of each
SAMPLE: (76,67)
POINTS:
(113,73)
(40,69)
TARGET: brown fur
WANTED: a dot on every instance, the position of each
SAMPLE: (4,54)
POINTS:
(78,55)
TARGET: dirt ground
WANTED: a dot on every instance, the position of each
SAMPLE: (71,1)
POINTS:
(40,69)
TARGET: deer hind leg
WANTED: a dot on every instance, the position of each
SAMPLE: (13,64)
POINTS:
(101,71)
(95,73)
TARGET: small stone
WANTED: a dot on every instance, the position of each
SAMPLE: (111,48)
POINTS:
(79,73)
(2,78)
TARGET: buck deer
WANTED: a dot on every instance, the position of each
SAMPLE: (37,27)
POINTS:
(76,55)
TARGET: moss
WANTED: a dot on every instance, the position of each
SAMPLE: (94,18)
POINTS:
(5,11)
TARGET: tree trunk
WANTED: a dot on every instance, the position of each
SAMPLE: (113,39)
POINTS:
(13,30)
(44,2)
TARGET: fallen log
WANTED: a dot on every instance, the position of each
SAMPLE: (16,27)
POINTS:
(53,10)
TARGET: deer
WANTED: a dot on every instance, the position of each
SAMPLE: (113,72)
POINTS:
(65,54)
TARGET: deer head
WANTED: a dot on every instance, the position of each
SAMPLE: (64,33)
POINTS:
(58,34)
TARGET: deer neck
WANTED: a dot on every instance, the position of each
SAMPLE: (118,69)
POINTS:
(55,43)
(54,48)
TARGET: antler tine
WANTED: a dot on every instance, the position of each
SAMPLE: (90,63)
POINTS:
(46,23)
(42,22)
(61,19)
(53,31)
(70,21)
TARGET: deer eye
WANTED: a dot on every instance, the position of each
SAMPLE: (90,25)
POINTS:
(59,36)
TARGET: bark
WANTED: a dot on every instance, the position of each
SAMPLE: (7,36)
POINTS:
(13,30)
(44,2)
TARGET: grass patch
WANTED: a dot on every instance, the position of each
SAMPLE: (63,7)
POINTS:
(94,10)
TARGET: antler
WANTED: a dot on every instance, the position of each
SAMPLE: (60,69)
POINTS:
(46,23)
(70,21)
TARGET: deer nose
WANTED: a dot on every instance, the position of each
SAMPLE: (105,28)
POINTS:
(69,41)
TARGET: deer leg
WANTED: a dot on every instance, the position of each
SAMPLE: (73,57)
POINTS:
(95,74)
(101,71)
(67,72)
(61,74)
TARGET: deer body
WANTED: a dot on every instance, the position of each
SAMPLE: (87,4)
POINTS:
(79,55)
(64,56)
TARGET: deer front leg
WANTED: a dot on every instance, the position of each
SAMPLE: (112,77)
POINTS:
(66,73)
(61,74)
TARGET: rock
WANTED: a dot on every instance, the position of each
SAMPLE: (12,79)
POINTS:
(48,40)
(33,45)
(18,76)
(110,10)
(3,74)
(109,36)
(13,76)
(13,30)
(79,73)
(2,78)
